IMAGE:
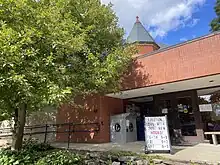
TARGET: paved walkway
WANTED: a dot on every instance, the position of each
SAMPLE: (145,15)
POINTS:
(199,153)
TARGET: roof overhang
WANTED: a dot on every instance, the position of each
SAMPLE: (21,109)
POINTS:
(196,83)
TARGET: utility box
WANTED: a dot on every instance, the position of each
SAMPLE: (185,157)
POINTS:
(123,128)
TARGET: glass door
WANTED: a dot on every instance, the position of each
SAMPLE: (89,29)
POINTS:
(186,116)
(165,108)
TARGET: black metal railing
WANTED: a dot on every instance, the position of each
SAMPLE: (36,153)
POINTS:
(56,129)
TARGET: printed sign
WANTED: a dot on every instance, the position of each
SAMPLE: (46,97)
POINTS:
(205,107)
(117,127)
(165,110)
(157,136)
(217,112)
(131,127)
(216,108)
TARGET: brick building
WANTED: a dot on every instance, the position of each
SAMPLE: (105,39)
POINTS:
(160,78)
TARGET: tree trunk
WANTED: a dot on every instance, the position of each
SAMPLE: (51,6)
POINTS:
(18,129)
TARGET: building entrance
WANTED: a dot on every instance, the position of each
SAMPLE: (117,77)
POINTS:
(181,109)
(184,118)
(142,107)
(209,105)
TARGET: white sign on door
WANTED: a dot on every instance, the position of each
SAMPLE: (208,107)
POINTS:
(157,136)
(205,107)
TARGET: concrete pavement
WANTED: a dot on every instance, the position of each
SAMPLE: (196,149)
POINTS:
(199,153)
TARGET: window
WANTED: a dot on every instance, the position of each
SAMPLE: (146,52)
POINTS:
(186,116)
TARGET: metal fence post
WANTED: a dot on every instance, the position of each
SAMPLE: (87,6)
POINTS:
(69,137)
(30,136)
(45,137)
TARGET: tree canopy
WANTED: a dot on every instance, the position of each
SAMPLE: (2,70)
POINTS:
(215,24)
(52,50)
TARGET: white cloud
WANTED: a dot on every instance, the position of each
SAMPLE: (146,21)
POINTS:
(159,16)
(193,22)
(183,39)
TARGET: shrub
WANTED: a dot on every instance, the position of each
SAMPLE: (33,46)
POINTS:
(60,158)
(35,145)
(30,156)
(8,157)
(31,152)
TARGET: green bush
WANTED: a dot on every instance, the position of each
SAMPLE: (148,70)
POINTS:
(32,157)
(31,152)
(8,157)
(35,145)
(60,158)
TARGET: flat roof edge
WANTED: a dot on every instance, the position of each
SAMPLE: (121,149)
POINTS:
(179,44)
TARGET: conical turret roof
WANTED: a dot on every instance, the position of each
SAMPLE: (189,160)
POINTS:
(139,34)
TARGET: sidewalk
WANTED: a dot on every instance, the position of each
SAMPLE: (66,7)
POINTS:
(199,153)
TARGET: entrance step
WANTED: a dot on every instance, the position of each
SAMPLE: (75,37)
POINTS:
(206,141)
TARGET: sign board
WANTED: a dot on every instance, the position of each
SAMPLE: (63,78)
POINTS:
(216,108)
(205,107)
(217,112)
(157,136)
(165,110)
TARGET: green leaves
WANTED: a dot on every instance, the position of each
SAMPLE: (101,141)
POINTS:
(60,158)
(30,154)
(51,51)
(215,24)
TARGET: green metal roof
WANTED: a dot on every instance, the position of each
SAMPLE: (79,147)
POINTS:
(139,34)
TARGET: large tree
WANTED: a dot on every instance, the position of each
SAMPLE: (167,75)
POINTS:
(53,50)
(215,24)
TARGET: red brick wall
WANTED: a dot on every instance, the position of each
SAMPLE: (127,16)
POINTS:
(83,112)
(110,106)
(196,59)
(93,109)
(145,48)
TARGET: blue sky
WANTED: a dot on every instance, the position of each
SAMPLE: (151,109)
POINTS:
(168,21)
(205,14)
